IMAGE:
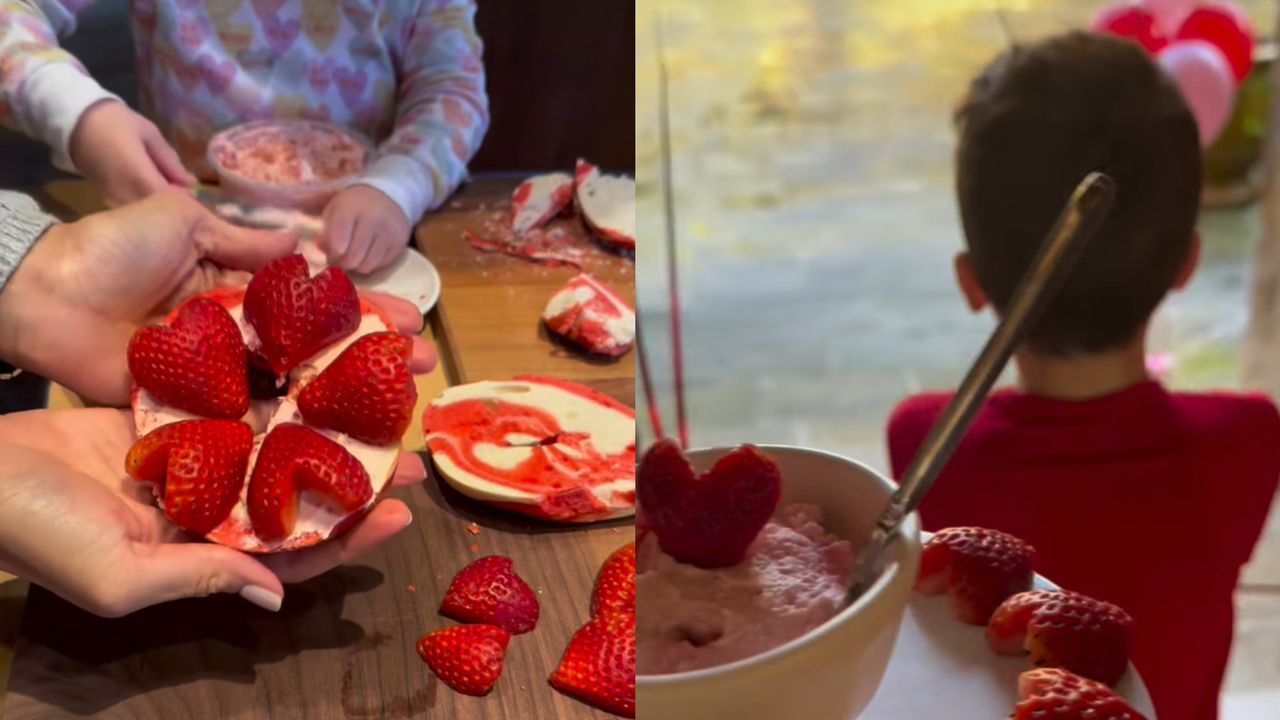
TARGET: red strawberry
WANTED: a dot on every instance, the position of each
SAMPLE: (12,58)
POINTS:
(599,666)
(1057,694)
(295,458)
(196,363)
(489,591)
(367,392)
(615,589)
(977,568)
(1065,629)
(468,658)
(199,468)
(708,521)
(297,315)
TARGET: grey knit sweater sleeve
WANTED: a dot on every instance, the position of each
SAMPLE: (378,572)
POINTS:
(21,224)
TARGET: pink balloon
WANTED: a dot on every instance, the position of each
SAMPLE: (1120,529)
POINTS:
(1169,14)
(1227,27)
(1206,81)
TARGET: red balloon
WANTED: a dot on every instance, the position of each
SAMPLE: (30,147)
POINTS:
(1226,27)
(1133,22)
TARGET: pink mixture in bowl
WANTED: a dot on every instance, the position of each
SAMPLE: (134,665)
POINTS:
(793,580)
(286,163)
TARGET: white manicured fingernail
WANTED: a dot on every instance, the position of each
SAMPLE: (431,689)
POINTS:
(262,597)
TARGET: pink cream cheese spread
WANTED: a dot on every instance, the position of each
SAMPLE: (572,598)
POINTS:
(290,153)
(792,580)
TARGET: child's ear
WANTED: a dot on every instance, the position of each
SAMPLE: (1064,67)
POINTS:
(1189,265)
(968,282)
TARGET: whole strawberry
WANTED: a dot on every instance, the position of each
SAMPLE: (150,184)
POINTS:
(294,458)
(709,520)
(196,363)
(367,392)
(1069,630)
(1059,695)
(977,568)
(296,315)
(467,658)
(489,591)
(198,467)
(615,589)
(599,666)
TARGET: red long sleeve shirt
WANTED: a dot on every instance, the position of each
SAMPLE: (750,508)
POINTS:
(1149,499)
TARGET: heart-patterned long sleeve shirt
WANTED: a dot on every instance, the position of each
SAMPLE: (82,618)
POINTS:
(405,73)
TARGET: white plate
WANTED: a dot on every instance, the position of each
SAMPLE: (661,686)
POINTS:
(942,668)
(412,277)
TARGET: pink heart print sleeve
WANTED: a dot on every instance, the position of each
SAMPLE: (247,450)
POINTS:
(405,73)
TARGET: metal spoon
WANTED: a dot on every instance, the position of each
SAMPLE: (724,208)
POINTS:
(1084,212)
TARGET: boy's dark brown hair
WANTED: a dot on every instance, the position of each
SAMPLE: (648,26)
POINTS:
(1033,124)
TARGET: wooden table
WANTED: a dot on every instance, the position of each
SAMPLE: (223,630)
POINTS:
(343,644)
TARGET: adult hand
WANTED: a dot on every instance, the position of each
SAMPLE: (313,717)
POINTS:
(364,230)
(125,153)
(74,523)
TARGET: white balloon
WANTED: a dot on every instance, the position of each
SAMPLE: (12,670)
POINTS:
(1169,14)
(1204,76)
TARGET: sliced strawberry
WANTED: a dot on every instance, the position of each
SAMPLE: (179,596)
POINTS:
(615,589)
(467,658)
(367,392)
(977,568)
(295,458)
(1087,636)
(198,466)
(489,591)
(1060,695)
(708,521)
(297,315)
(196,363)
(599,666)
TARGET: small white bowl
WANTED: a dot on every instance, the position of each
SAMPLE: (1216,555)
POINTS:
(831,672)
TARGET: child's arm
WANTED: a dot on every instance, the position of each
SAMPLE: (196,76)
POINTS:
(442,114)
(47,94)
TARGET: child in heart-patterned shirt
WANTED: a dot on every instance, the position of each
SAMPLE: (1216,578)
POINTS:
(405,73)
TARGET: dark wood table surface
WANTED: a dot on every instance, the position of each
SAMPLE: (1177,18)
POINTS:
(342,646)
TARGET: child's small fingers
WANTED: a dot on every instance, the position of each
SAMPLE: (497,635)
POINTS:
(337,233)
(361,245)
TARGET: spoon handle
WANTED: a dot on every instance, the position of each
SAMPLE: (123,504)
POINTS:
(1078,221)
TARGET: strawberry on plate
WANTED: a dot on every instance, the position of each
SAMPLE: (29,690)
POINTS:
(467,658)
(489,591)
(599,666)
(197,466)
(294,458)
(196,363)
(977,568)
(615,589)
(708,520)
(367,392)
(296,315)
(1053,694)
(1064,629)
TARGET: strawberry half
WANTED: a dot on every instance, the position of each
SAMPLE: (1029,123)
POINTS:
(599,666)
(367,392)
(489,591)
(977,568)
(195,363)
(467,658)
(295,458)
(198,468)
(615,589)
(1087,636)
(1058,694)
(297,315)
(707,521)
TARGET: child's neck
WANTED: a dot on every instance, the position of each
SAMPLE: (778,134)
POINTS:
(1082,377)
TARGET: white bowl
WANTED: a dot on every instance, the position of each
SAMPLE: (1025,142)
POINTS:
(832,672)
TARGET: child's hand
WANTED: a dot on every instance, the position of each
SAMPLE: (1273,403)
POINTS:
(124,153)
(364,230)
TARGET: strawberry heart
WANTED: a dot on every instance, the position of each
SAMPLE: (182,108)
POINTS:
(296,315)
(198,468)
(196,364)
(367,393)
(707,521)
(294,458)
